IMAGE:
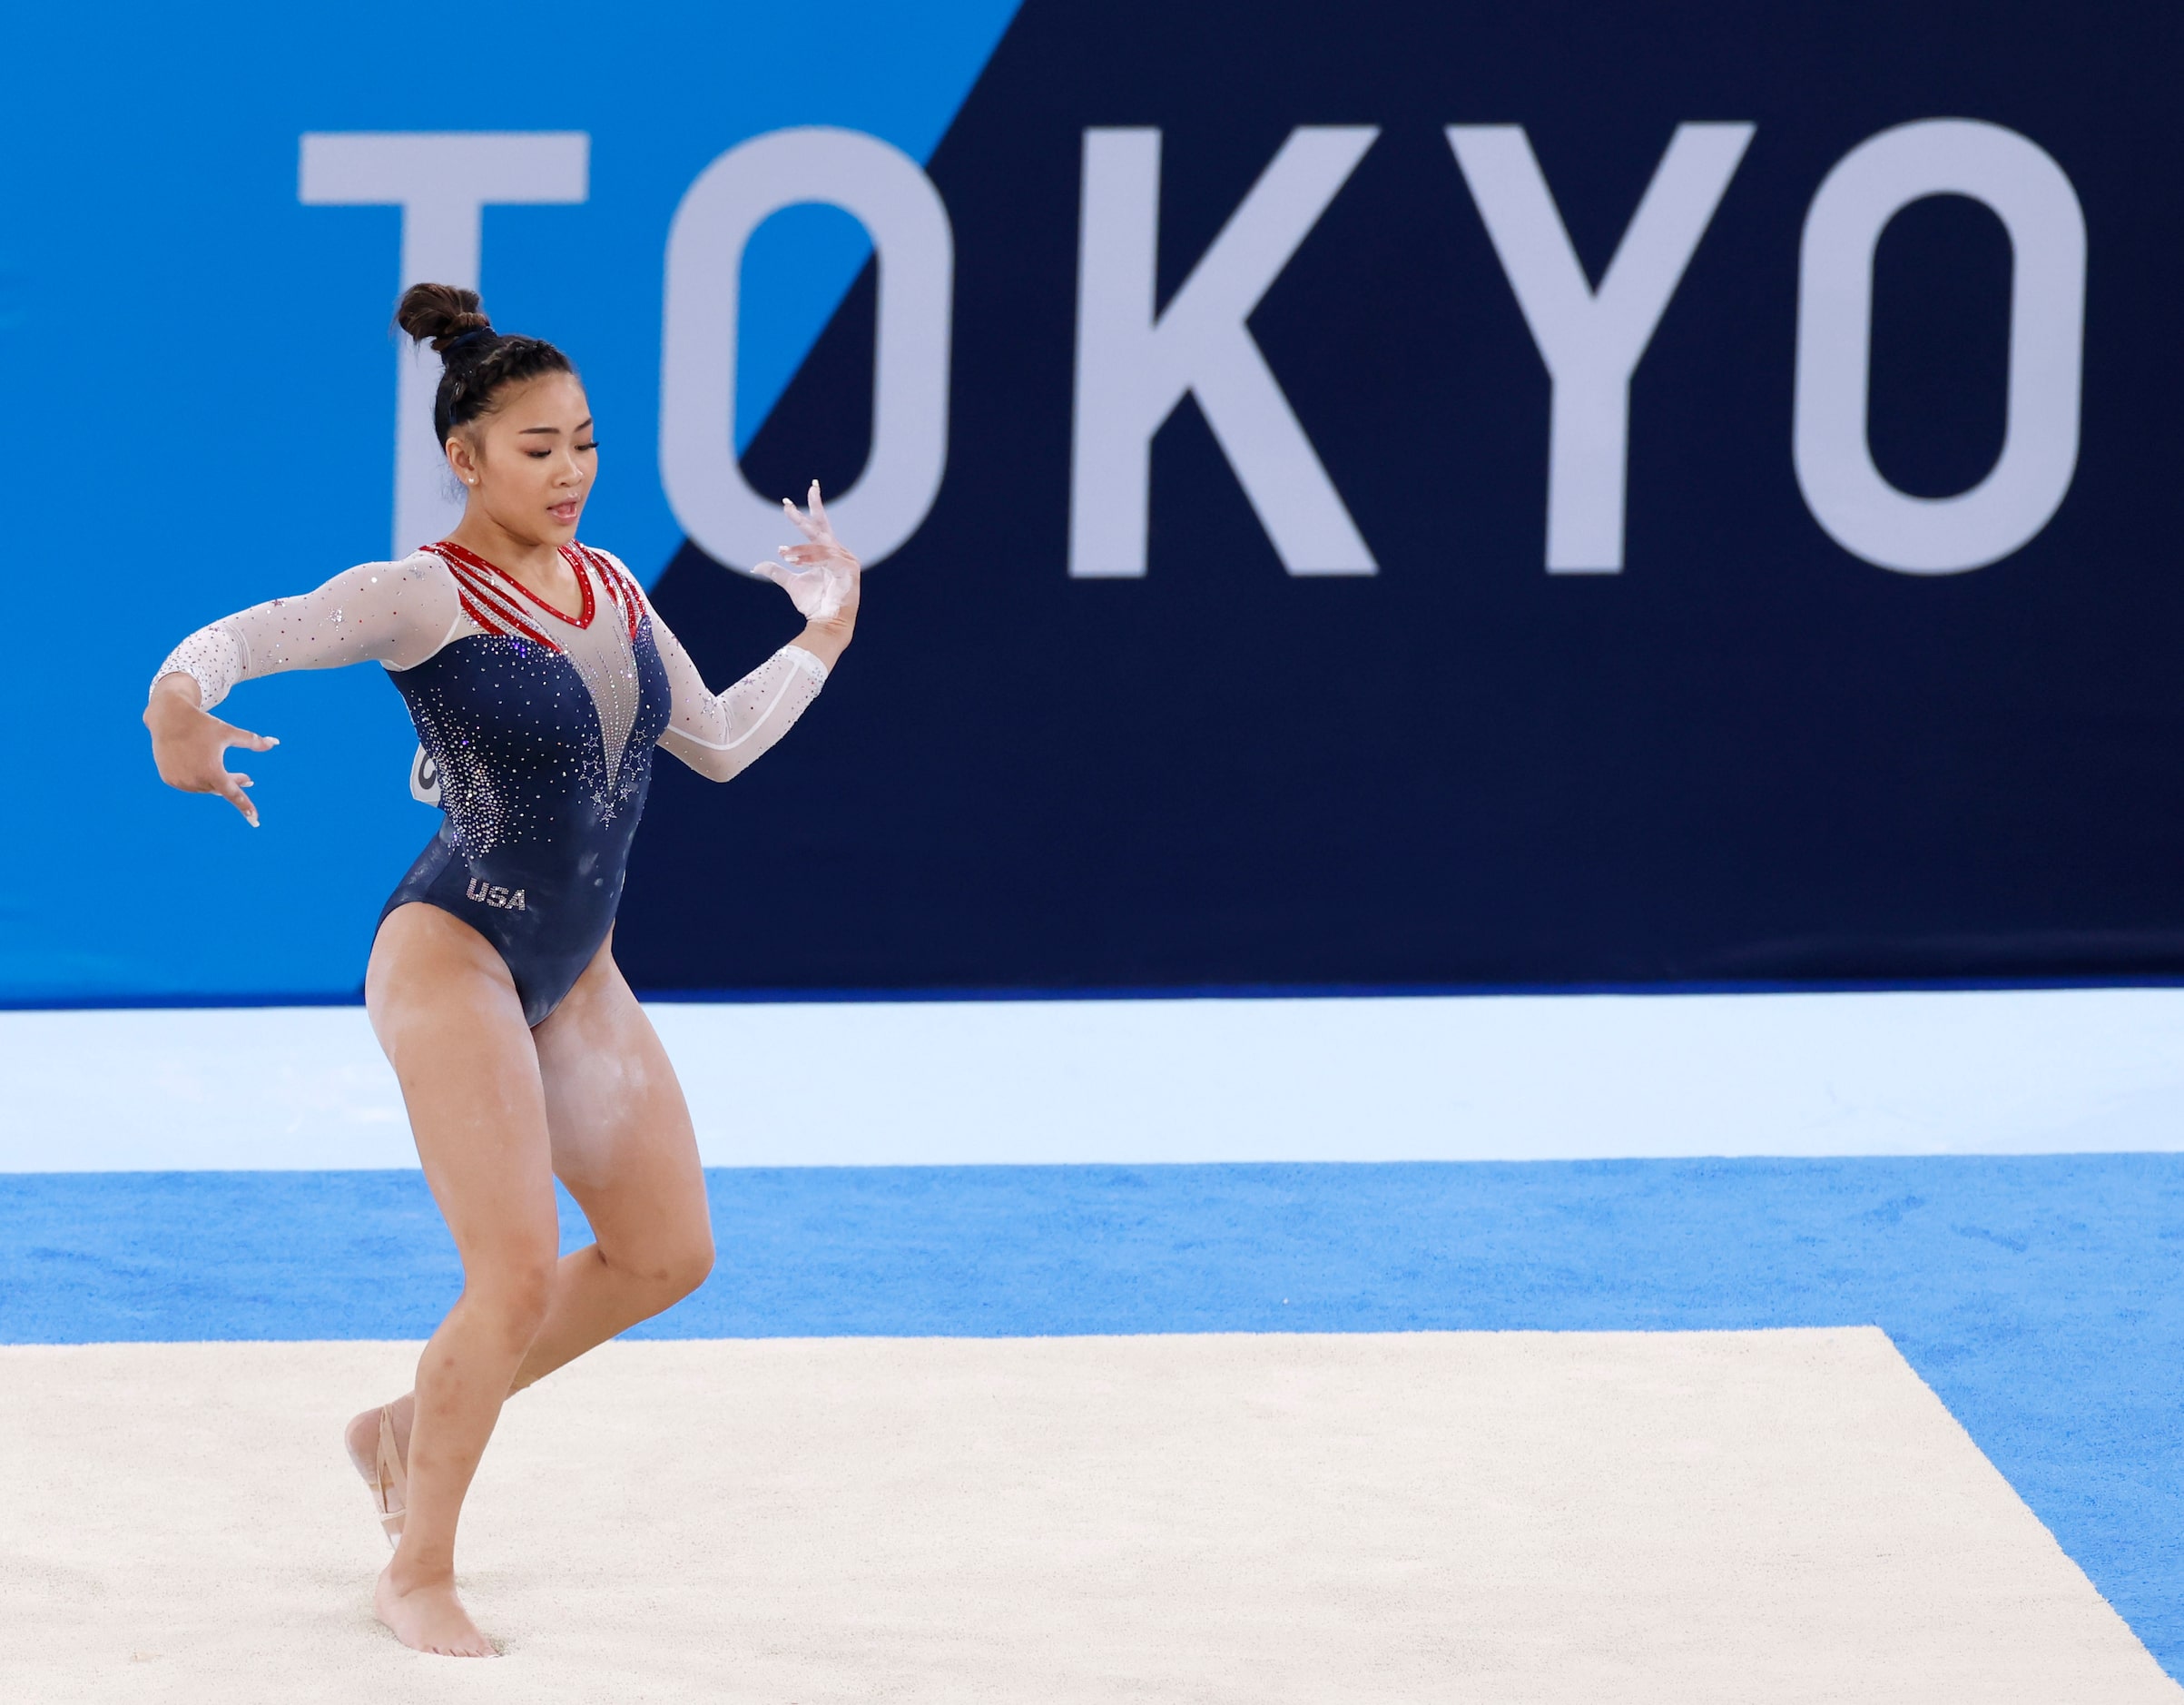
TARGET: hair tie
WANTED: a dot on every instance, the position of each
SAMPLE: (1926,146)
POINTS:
(474,335)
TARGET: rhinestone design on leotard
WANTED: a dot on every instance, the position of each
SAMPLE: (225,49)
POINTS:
(541,725)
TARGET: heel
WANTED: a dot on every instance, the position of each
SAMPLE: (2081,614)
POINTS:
(391,1482)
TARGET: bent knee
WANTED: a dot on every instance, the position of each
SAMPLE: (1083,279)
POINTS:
(684,1270)
(669,1275)
(693,1269)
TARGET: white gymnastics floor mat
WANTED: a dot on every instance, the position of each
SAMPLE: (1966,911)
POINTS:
(1672,1517)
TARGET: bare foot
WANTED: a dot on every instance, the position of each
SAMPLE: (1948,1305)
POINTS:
(362,1439)
(429,1618)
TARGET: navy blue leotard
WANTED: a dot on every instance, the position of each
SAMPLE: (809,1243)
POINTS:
(540,797)
(540,725)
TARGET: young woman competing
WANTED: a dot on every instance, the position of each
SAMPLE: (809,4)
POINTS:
(539,678)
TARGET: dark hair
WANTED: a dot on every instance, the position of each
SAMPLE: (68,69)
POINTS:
(477,363)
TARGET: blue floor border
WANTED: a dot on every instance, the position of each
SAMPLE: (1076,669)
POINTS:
(2041,1298)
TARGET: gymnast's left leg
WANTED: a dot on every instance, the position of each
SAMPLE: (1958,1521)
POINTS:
(622,1142)
(624,1146)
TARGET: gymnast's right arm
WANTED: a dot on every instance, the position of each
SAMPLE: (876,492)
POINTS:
(397,613)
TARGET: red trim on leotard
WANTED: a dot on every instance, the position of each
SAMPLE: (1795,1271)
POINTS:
(620,587)
(484,601)
(449,552)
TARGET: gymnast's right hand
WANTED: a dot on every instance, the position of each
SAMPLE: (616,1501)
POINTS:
(189,746)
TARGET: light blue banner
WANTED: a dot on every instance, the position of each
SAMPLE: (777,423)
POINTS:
(201,399)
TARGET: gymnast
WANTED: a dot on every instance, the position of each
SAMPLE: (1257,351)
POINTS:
(540,679)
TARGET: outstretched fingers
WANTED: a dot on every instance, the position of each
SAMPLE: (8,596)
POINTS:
(812,525)
(819,575)
(232,783)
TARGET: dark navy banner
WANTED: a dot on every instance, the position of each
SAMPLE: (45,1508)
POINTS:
(1475,495)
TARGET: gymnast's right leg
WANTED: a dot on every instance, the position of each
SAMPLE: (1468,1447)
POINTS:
(445,1010)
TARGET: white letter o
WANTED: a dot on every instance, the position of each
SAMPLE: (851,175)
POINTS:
(2021,184)
(884,190)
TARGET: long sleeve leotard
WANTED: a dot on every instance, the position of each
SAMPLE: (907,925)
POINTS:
(541,725)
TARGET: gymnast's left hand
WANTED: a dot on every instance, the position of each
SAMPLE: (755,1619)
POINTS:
(820,576)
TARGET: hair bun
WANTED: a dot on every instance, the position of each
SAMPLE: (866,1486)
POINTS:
(479,364)
(439,312)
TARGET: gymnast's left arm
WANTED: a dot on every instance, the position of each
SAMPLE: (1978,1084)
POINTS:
(721,734)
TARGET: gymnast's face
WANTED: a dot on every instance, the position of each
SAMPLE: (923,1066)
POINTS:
(531,461)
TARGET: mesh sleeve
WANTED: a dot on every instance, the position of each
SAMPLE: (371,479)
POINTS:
(395,613)
(721,734)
